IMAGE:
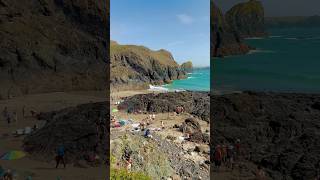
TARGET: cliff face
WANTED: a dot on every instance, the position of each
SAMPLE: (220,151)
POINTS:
(52,45)
(224,40)
(137,66)
(247,19)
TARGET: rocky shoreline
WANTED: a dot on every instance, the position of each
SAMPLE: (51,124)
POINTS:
(278,131)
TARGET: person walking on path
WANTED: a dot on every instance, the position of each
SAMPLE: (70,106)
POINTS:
(60,156)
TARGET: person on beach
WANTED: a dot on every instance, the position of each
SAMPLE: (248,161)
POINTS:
(238,149)
(60,156)
(217,157)
(147,134)
(15,117)
(224,153)
(162,125)
(8,175)
(260,175)
(128,164)
(23,111)
(153,117)
(5,114)
(230,157)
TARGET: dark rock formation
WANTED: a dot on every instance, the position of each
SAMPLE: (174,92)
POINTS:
(247,19)
(195,103)
(187,66)
(191,126)
(140,66)
(224,39)
(53,45)
(82,130)
(279,131)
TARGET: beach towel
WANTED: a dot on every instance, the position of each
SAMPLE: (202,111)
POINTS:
(13,155)
(122,122)
(115,110)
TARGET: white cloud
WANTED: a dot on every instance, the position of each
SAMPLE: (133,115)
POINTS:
(185,19)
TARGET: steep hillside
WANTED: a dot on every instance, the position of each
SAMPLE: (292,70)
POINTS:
(137,66)
(247,19)
(52,45)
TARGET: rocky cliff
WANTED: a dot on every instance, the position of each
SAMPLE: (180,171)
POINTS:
(279,131)
(137,67)
(224,39)
(53,45)
(187,66)
(247,19)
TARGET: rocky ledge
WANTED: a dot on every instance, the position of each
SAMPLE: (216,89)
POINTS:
(195,103)
(82,130)
(279,131)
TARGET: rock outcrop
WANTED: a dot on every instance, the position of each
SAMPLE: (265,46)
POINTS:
(224,39)
(187,66)
(247,19)
(277,130)
(53,45)
(137,66)
(195,103)
(82,130)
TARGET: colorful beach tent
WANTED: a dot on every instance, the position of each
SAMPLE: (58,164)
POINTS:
(12,155)
(115,110)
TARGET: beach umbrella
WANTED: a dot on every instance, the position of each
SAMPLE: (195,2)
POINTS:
(12,155)
(115,110)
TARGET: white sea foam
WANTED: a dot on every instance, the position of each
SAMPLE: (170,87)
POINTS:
(255,38)
(275,36)
(260,51)
(292,38)
(157,88)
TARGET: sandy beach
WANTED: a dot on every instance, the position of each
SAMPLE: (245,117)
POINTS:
(43,103)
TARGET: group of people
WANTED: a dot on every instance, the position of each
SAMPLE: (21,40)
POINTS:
(8,116)
(227,154)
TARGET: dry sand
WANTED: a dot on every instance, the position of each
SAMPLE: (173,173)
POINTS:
(43,103)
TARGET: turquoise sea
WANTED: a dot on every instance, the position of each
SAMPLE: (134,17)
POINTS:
(287,61)
(197,80)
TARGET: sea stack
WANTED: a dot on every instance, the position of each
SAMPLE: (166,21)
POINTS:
(247,19)
(224,39)
(187,66)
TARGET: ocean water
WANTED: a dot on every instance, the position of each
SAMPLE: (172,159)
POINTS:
(287,61)
(198,80)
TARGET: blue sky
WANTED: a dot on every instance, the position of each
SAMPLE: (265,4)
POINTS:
(180,26)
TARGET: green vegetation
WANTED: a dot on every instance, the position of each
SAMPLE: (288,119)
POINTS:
(122,174)
(162,56)
(146,157)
